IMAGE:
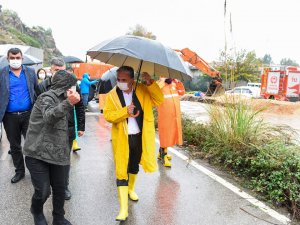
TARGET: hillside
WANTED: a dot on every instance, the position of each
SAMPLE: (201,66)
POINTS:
(14,31)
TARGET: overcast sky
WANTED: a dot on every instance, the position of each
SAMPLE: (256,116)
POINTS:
(262,25)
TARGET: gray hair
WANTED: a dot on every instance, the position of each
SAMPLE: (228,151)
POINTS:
(57,61)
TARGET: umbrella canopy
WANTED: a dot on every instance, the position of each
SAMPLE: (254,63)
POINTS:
(28,60)
(72,59)
(143,54)
(111,75)
(108,81)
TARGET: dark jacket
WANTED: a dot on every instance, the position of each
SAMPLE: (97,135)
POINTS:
(47,137)
(31,80)
(79,108)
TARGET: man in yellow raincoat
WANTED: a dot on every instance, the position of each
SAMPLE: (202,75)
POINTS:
(169,117)
(133,132)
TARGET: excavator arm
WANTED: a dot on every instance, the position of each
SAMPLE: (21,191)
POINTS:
(192,57)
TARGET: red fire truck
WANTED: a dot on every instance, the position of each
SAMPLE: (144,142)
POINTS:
(281,83)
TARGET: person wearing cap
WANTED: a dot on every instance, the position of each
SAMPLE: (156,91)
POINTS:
(129,108)
(58,64)
(47,147)
(17,88)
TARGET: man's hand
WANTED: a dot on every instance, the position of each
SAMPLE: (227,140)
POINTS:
(130,109)
(80,133)
(147,78)
(73,96)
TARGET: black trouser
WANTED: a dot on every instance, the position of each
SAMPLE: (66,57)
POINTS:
(15,126)
(67,168)
(44,175)
(135,154)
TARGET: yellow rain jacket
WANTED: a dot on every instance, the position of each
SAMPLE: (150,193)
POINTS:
(148,96)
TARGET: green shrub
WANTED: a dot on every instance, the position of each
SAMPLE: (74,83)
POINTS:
(264,156)
(25,38)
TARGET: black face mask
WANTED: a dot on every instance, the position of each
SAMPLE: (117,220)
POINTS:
(168,80)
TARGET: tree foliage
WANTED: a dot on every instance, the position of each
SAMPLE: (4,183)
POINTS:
(288,62)
(267,59)
(199,83)
(241,66)
(141,31)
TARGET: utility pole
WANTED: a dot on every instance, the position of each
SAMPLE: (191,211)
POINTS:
(225,47)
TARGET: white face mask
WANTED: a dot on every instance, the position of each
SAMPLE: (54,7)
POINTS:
(122,86)
(42,76)
(15,63)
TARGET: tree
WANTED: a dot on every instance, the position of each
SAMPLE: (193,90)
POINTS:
(141,31)
(242,66)
(288,62)
(267,59)
(198,83)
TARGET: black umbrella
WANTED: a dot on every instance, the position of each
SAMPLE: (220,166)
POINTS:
(28,60)
(108,81)
(143,54)
(72,59)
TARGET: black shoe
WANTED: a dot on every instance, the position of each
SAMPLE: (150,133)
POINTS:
(39,219)
(61,222)
(17,177)
(9,152)
(68,194)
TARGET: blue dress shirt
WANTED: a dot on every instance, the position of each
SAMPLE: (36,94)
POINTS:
(19,97)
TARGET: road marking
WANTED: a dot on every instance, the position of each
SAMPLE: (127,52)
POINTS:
(231,187)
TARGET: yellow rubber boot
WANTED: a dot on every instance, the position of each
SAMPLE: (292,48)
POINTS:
(75,146)
(166,162)
(123,200)
(131,183)
(166,153)
(159,157)
(163,151)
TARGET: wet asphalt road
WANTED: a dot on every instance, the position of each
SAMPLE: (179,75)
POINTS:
(181,195)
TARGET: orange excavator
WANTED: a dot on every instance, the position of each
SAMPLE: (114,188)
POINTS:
(194,59)
(215,87)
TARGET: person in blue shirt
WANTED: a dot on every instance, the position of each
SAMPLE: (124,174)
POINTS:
(85,85)
(17,95)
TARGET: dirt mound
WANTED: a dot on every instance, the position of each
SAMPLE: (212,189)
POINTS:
(269,106)
(280,107)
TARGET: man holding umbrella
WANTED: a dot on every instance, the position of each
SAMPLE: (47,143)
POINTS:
(129,108)
(133,134)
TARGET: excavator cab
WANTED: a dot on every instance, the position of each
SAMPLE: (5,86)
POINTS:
(215,87)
